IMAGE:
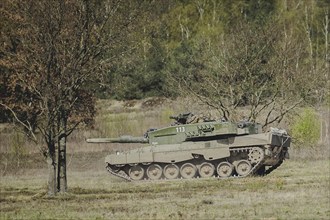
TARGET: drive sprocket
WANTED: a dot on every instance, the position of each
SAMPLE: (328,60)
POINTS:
(256,154)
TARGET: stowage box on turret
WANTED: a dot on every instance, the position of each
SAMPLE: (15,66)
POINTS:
(194,147)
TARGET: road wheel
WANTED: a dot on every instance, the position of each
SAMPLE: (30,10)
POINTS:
(188,171)
(136,172)
(154,172)
(171,171)
(243,167)
(225,169)
(206,170)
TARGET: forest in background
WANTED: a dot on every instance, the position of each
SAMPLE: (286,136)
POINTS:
(159,45)
(170,42)
(227,54)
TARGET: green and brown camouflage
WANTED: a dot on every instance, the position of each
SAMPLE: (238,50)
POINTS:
(207,148)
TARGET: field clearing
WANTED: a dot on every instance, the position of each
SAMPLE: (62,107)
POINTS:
(299,189)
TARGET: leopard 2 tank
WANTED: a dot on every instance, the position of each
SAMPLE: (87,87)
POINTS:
(196,147)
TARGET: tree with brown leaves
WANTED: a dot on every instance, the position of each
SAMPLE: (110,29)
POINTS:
(52,51)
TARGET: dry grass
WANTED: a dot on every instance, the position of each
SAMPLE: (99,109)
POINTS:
(296,190)
(299,189)
(113,119)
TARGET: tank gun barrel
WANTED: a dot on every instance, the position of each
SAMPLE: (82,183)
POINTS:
(122,139)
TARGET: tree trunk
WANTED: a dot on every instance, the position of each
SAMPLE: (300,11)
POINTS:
(51,170)
(61,170)
(61,173)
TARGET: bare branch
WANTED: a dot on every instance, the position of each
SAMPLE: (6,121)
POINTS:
(26,125)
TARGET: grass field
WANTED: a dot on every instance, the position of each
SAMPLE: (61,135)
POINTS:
(299,189)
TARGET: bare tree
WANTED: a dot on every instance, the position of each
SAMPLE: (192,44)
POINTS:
(252,66)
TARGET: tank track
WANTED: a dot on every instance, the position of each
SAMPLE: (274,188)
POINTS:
(121,174)
(272,168)
(254,168)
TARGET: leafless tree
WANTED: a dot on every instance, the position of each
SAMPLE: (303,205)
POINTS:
(256,67)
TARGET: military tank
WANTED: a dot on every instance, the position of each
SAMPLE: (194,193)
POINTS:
(195,147)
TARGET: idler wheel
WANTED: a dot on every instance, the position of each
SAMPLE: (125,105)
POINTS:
(225,169)
(243,167)
(171,171)
(136,172)
(115,168)
(188,171)
(154,172)
(206,170)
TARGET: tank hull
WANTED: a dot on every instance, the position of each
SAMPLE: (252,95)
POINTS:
(226,157)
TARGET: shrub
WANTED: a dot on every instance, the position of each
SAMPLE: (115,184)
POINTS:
(306,128)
